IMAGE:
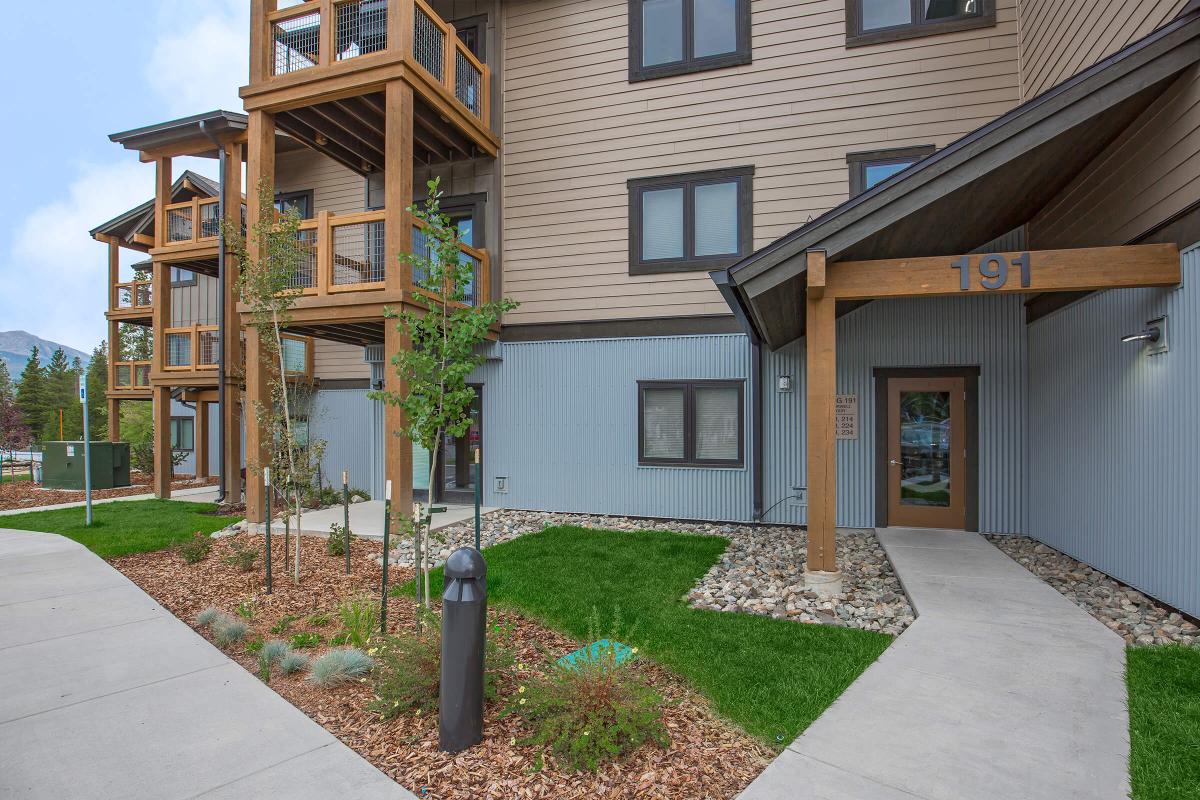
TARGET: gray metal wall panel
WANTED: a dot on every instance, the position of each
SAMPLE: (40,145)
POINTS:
(342,417)
(188,465)
(1113,438)
(984,331)
(560,422)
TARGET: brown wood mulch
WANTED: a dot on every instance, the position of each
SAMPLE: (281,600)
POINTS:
(707,759)
(26,494)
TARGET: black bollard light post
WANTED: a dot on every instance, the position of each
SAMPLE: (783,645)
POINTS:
(267,485)
(346,512)
(464,629)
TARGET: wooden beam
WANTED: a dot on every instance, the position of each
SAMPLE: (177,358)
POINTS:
(260,172)
(231,409)
(1083,269)
(114,272)
(162,440)
(816,272)
(821,388)
(304,133)
(200,434)
(368,153)
(144,240)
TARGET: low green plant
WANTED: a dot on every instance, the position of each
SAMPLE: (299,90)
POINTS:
(292,662)
(319,619)
(284,623)
(254,645)
(245,609)
(195,549)
(304,640)
(360,619)
(208,616)
(335,545)
(360,494)
(229,630)
(243,558)
(592,711)
(340,666)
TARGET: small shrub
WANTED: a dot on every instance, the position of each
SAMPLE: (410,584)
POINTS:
(335,545)
(229,630)
(195,549)
(254,645)
(284,623)
(243,558)
(305,639)
(245,609)
(360,494)
(208,616)
(292,662)
(319,620)
(340,666)
(360,620)
(275,650)
(590,713)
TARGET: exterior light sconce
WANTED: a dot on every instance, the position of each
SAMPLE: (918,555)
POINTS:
(1154,335)
(784,383)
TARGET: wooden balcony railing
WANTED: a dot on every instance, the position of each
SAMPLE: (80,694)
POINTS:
(193,347)
(134,295)
(130,375)
(479,288)
(322,33)
(194,221)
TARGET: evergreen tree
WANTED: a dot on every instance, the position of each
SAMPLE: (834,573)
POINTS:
(31,393)
(6,384)
(14,435)
(64,417)
(97,386)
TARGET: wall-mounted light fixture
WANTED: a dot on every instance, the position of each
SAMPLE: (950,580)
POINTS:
(784,383)
(1154,335)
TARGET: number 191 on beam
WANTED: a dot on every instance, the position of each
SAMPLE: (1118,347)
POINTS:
(993,271)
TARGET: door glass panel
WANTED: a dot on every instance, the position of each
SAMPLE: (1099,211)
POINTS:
(925,449)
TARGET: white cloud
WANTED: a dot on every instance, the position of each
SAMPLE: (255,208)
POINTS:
(203,58)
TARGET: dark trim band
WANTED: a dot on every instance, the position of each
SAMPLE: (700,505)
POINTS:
(620,328)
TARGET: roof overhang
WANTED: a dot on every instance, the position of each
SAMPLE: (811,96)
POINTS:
(140,219)
(975,190)
(196,135)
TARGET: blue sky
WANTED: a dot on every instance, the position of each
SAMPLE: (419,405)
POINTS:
(75,72)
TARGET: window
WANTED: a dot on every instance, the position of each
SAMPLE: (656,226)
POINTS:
(472,32)
(874,21)
(295,355)
(682,223)
(183,436)
(868,169)
(691,423)
(673,37)
(183,277)
(301,201)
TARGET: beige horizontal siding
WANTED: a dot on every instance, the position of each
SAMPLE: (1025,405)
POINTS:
(335,188)
(575,130)
(1060,39)
(1150,173)
(337,361)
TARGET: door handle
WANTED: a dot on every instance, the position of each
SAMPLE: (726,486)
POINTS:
(894,462)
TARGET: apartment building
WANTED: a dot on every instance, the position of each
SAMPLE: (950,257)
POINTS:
(838,262)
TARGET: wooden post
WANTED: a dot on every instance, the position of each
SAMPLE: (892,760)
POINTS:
(450,52)
(231,411)
(114,405)
(162,441)
(325,45)
(261,66)
(114,273)
(260,170)
(398,170)
(201,436)
(162,196)
(114,419)
(821,386)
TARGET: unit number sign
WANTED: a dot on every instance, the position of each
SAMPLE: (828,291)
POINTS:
(993,270)
(846,416)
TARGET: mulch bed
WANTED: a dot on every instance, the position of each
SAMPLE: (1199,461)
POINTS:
(26,494)
(707,759)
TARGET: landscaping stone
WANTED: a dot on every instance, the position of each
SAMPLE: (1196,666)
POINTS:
(761,572)
(1123,609)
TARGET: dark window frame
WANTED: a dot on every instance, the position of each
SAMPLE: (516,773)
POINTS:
(688,181)
(478,23)
(174,438)
(857,37)
(742,54)
(860,161)
(307,194)
(192,281)
(689,422)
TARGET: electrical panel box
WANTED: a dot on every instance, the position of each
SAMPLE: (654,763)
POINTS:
(62,465)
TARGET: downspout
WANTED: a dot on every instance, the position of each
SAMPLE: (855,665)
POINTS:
(728,289)
(220,312)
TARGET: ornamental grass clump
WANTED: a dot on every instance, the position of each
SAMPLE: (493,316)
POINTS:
(340,666)
(360,619)
(590,712)
(208,616)
(229,630)
(269,655)
(292,662)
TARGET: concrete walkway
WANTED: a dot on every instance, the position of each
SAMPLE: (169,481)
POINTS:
(366,518)
(1001,689)
(195,494)
(105,694)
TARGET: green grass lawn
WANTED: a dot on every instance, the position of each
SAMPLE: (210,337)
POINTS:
(128,526)
(772,677)
(11,478)
(1164,721)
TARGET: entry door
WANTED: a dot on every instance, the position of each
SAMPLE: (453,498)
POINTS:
(455,476)
(927,452)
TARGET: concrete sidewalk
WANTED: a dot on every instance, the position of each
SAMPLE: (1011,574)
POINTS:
(105,694)
(366,518)
(1001,689)
(195,494)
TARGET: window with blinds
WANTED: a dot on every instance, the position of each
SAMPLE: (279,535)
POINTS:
(691,423)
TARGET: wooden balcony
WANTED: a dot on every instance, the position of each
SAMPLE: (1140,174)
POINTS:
(129,378)
(326,50)
(191,348)
(131,301)
(193,222)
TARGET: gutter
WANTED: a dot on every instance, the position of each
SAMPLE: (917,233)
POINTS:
(728,289)
(221,399)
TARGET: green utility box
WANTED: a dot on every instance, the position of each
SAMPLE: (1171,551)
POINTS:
(62,465)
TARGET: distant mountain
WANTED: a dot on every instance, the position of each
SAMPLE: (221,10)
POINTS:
(15,347)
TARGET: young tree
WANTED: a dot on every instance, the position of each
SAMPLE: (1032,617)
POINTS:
(445,334)
(97,386)
(266,287)
(31,393)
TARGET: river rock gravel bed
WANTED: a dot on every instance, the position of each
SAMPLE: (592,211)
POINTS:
(1134,616)
(761,572)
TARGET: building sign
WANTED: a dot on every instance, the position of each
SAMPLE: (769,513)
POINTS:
(846,410)
(993,270)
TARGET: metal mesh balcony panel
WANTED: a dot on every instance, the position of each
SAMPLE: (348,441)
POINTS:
(361,28)
(179,224)
(305,276)
(467,83)
(358,253)
(428,44)
(297,42)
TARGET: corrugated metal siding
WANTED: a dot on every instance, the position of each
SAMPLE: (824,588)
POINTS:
(984,331)
(1113,435)
(337,417)
(560,422)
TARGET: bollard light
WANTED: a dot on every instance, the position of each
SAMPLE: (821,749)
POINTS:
(464,631)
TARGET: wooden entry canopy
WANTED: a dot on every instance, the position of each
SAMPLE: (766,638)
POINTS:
(911,234)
